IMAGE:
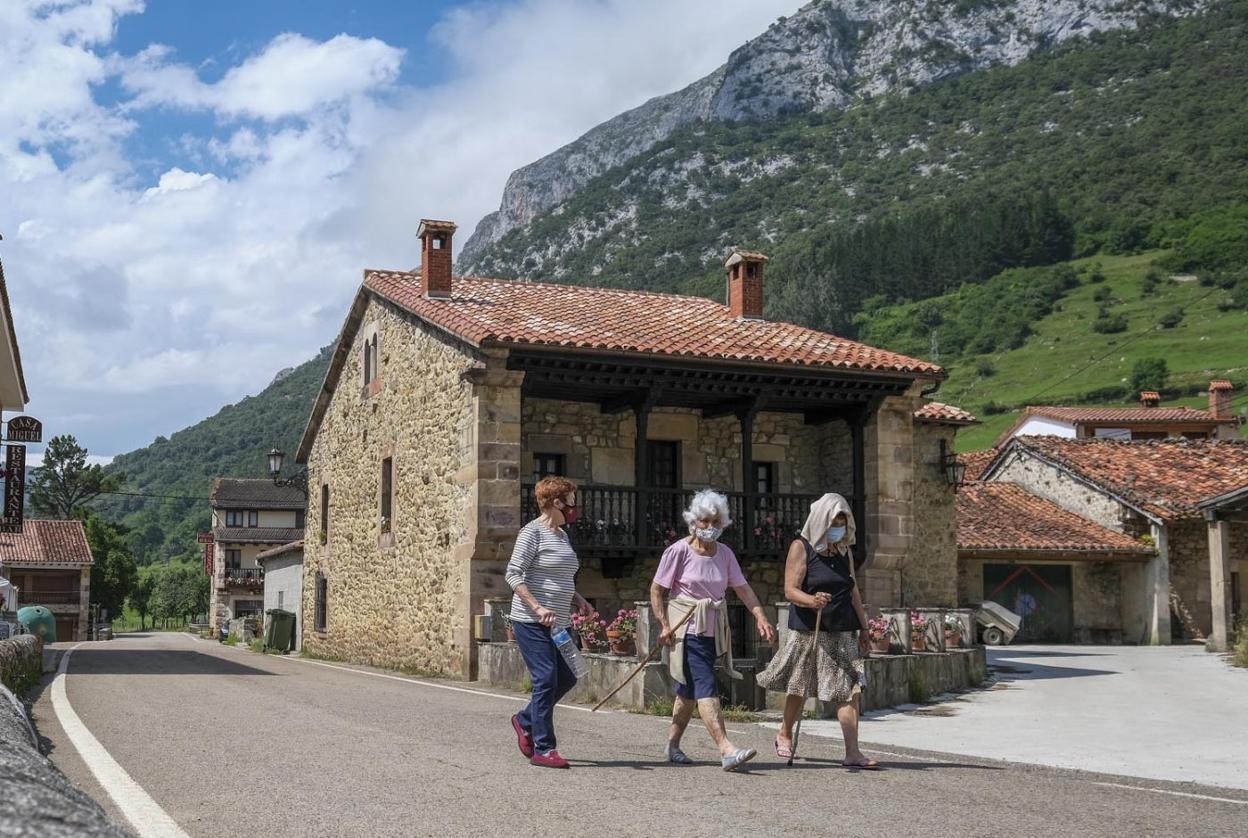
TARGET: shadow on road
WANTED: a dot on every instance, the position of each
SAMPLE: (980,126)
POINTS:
(94,661)
(1039,672)
(1013,652)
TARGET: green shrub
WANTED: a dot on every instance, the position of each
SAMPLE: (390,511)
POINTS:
(984,368)
(1109,324)
(1101,294)
(1149,374)
(1171,318)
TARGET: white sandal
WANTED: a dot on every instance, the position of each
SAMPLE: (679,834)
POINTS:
(741,757)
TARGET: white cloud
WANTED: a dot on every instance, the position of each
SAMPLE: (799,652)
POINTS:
(144,302)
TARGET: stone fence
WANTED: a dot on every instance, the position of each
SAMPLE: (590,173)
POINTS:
(36,800)
(891,679)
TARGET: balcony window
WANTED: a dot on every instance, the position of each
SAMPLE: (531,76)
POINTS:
(234,517)
(547,465)
(253,518)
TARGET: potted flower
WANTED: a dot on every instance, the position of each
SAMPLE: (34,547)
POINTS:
(592,631)
(621,632)
(953,631)
(918,632)
(878,629)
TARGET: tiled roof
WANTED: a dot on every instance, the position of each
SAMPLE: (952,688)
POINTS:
(944,414)
(976,462)
(518,313)
(13,347)
(1221,384)
(257,535)
(46,542)
(1118,416)
(1163,478)
(278,551)
(231,493)
(1004,517)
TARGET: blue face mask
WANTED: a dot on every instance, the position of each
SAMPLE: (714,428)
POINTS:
(835,535)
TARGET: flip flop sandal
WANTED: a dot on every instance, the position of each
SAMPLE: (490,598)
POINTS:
(784,751)
(677,756)
(869,765)
(740,758)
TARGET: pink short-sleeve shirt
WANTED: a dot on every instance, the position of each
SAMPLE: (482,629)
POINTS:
(686,573)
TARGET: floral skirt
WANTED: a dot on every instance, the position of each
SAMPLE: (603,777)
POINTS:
(839,676)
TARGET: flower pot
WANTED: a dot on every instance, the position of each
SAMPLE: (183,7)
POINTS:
(881,645)
(918,643)
(953,639)
(621,644)
(588,644)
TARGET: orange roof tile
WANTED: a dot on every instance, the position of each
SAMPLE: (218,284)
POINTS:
(976,462)
(1006,517)
(519,313)
(1162,478)
(46,542)
(944,414)
(1221,384)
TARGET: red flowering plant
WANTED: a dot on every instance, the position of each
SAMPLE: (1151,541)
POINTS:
(625,623)
(879,627)
(592,629)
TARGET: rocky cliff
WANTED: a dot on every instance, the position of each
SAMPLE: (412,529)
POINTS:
(826,56)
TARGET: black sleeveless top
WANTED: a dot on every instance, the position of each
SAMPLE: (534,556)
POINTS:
(832,575)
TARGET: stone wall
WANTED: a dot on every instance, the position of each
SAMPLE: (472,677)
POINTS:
(21,662)
(1050,482)
(396,598)
(930,577)
(1096,596)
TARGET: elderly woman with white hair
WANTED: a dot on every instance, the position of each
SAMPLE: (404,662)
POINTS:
(695,574)
(821,585)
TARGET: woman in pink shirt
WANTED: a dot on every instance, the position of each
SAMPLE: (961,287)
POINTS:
(695,574)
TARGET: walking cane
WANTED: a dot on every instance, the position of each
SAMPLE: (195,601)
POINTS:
(644,661)
(797,731)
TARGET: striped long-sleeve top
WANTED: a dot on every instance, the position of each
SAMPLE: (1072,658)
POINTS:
(545,561)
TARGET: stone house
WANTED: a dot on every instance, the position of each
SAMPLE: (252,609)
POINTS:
(1184,499)
(447,398)
(248,518)
(49,562)
(283,582)
(1148,421)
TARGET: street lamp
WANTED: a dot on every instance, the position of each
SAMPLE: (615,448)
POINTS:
(298,480)
(953,469)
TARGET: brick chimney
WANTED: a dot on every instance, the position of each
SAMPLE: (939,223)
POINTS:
(745,284)
(1150,398)
(435,256)
(1220,398)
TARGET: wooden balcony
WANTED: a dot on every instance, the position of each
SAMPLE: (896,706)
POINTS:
(49,597)
(623,522)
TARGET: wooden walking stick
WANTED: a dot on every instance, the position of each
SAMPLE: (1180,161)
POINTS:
(797,731)
(644,661)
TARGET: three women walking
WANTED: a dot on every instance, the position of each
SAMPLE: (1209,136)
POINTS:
(694,575)
(820,584)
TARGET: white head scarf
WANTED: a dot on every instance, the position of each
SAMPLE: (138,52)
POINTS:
(822,513)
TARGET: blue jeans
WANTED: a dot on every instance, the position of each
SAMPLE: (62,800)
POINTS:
(551,681)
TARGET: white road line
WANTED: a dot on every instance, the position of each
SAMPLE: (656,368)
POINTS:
(1174,793)
(144,813)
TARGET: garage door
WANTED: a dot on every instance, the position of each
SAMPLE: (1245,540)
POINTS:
(1040,594)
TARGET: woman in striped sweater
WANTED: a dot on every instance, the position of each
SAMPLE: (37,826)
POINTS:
(542,575)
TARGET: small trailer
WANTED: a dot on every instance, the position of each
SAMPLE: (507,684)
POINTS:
(997,624)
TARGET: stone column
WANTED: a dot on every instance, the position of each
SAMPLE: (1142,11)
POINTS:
(1220,584)
(889,478)
(1157,587)
(84,604)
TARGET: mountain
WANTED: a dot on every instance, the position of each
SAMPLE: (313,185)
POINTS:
(827,56)
(179,469)
(1113,140)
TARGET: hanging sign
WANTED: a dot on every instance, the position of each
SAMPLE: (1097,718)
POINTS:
(208,553)
(25,429)
(205,538)
(14,489)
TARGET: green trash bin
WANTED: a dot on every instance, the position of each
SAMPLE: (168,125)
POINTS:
(39,622)
(281,629)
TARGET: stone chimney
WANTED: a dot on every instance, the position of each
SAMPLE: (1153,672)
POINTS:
(1150,398)
(1220,398)
(435,256)
(745,284)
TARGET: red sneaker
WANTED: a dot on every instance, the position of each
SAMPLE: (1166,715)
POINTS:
(550,759)
(523,739)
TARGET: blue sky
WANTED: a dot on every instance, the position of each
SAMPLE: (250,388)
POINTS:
(192,188)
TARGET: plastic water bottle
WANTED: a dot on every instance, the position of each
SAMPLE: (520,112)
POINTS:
(563,640)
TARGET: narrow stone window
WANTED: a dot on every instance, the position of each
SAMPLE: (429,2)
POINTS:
(387,490)
(324,513)
(322,601)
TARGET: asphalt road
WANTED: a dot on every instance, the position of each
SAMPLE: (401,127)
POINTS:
(230,742)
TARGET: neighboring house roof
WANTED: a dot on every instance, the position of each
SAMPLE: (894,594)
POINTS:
(976,462)
(232,493)
(1118,416)
(1006,518)
(12,337)
(1164,479)
(520,313)
(257,535)
(46,542)
(944,414)
(292,547)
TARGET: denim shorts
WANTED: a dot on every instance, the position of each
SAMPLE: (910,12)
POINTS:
(699,668)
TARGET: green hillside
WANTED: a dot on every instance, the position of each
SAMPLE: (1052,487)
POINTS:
(1060,358)
(233,443)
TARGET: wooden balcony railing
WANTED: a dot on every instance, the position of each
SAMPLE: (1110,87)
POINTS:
(249,576)
(621,519)
(50,597)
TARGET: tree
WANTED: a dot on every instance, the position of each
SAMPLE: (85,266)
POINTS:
(65,484)
(114,573)
(1149,374)
(140,598)
(180,591)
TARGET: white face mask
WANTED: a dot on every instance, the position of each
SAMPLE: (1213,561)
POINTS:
(835,535)
(708,533)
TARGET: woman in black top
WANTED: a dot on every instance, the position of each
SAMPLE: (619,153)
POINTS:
(819,574)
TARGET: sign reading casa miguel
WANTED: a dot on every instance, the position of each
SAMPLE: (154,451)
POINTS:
(25,429)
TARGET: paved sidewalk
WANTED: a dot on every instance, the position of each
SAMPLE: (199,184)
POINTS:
(1160,712)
